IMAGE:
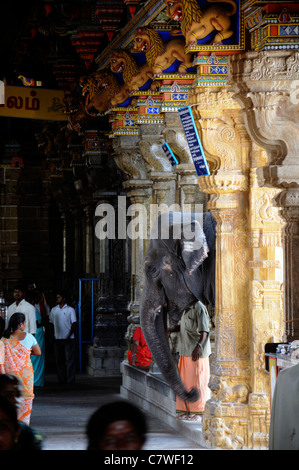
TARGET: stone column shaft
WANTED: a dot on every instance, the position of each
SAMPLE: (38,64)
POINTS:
(289,202)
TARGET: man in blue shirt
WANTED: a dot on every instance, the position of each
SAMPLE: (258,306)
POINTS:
(64,321)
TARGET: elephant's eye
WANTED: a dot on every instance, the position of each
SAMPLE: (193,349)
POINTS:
(151,270)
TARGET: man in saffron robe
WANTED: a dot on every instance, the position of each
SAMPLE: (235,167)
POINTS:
(194,363)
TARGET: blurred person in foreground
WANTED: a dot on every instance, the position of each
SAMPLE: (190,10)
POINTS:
(11,390)
(284,422)
(9,426)
(117,426)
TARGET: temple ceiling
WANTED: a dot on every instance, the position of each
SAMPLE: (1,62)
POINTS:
(83,49)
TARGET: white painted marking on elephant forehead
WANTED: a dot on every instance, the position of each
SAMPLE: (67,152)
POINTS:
(167,266)
(188,246)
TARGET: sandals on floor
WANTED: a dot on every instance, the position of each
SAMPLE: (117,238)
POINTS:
(194,418)
(191,417)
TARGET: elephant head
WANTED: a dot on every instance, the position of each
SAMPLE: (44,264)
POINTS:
(179,269)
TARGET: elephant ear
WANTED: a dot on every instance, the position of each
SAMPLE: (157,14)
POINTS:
(194,251)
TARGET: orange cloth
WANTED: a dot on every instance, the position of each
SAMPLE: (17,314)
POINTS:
(194,374)
(18,363)
(143,356)
(2,370)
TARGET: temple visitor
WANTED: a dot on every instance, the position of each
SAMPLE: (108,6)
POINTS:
(64,321)
(11,390)
(2,349)
(9,429)
(284,424)
(19,345)
(140,355)
(194,365)
(21,305)
(117,426)
(38,362)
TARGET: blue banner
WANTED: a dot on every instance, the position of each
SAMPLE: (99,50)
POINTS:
(169,154)
(193,140)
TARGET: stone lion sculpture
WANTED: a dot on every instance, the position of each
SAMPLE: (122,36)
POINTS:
(74,107)
(102,90)
(134,75)
(199,24)
(161,55)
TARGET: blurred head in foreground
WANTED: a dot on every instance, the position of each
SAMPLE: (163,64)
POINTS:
(116,426)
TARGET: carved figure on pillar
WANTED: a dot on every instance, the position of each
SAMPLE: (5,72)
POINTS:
(135,76)
(102,90)
(210,24)
(74,107)
(162,55)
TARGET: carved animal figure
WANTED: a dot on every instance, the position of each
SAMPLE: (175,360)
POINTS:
(78,119)
(100,89)
(179,269)
(197,24)
(161,55)
(134,75)
(225,393)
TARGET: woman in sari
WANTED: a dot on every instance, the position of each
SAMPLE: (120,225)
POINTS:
(2,326)
(19,346)
(140,355)
(38,362)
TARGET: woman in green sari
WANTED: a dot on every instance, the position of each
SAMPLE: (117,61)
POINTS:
(38,362)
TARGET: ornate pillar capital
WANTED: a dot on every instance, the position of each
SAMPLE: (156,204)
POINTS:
(174,135)
(221,128)
(128,158)
(222,184)
(266,84)
(153,154)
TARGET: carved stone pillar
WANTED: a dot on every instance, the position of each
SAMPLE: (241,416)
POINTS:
(159,170)
(139,191)
(78,244)
(187,188)
(89,239)
(267,86)
(10,269)
(226,413)
(236,415)
(68,246)
(289,201)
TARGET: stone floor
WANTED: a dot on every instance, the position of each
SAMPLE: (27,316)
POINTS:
(60,413)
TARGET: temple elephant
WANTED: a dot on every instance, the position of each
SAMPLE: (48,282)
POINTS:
(179,269)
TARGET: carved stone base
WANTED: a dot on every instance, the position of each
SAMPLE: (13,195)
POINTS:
(234,425)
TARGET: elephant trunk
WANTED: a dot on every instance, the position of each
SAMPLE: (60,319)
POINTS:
(153,328)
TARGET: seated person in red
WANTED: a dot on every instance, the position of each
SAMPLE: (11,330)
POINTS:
(140,355)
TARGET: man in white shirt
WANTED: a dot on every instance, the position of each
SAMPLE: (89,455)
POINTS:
(64,321)
(21,305)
